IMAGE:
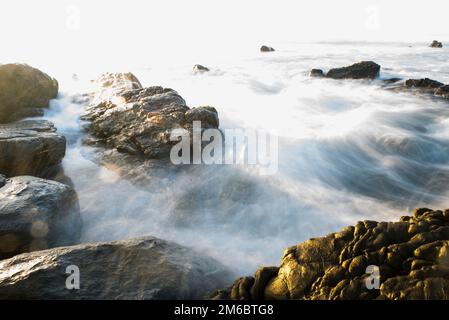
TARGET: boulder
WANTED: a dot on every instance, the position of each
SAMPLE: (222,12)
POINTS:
(411,257)
(24,91)
(200,69)
(36,214)
(142,268)
(316,73)
(436,44)
(361,70)
(266,49)
(30,147)
(139,122)
(425,83)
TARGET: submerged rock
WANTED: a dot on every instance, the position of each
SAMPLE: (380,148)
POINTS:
(316,73)
(266,49)
(30,147)
(424,86)
(36,214)
(24,91)
(361,70)
(142,268)
(200,69)
(436,44)
(412,257)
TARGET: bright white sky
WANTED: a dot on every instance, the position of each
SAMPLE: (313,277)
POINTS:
(110,29)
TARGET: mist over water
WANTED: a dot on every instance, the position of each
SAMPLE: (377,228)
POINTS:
(348,150)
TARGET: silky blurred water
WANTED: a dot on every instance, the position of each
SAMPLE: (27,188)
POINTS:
(348,150)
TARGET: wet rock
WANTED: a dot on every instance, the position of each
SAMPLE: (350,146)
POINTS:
(436,44)
(36,214)
(200,69)
(316,73)
(425,83)
(413,263)
(2,180)
(266,49)
(138,122)
(142,268)
(361,70)
(24,91)
(30,147)
(442,92)
(391,80)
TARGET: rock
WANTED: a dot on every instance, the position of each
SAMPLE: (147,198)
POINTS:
(361,70)
(24,90)
(2,180)
(436,44)
(266,49)
(442,92)
(391,80)
(412,256)
(316,73)
(200,69)
(36,214)
(142,268)
(30,147)
(425,83)
(138,122)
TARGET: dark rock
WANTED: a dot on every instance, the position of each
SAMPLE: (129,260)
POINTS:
(2,180)
(199,68)
(142,268)
(37,214)
(442,92)
(391,80)
(412,264)
(266,49)
(30,147)
(361,70)
(425,83)
(316,73)
(436,44)
(24,90)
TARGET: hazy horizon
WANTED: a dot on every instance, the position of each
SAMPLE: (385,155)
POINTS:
(112,32)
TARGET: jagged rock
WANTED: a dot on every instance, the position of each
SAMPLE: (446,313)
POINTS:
(139,121)
(200,69)
(30,147)
(24,90)
(36,214)
(361,70)
(316,73)
(436,44)
(266,49)
(2,180)
(412,256)
(142,268)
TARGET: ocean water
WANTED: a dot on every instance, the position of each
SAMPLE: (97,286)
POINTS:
(348,150)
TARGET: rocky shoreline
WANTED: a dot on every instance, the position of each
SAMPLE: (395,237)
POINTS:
(412,257)
(129,127)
